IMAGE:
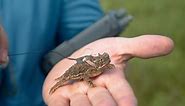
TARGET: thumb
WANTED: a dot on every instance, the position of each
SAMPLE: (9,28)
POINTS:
(146,46)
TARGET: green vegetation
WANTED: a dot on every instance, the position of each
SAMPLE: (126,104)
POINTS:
(157,81)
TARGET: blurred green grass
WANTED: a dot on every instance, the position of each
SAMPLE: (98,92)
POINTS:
(158,81)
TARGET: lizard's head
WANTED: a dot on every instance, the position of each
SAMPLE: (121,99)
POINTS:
(102,59)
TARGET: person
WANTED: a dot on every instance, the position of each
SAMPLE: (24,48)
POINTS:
(35,27)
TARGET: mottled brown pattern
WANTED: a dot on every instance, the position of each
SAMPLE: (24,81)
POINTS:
(86,67)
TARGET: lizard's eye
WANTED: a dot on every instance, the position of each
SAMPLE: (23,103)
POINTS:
(101,60)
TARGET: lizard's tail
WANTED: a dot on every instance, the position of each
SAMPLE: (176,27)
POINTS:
(56,86)
(59,78)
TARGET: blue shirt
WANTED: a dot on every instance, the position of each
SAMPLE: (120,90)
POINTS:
(34,27)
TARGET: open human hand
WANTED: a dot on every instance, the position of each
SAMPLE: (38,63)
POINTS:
(112,88)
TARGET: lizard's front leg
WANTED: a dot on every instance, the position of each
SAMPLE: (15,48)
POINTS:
(89,81)
(107,67)
(91,72)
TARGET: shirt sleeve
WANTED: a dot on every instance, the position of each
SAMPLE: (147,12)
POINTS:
(77,15)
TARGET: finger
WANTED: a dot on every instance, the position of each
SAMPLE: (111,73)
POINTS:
(145,46)
(3,56)
(3,46)
(79,100)
(3,39)
(100,96)
(58,100)
(120,89)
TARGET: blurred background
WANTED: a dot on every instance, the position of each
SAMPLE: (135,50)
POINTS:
(158,81)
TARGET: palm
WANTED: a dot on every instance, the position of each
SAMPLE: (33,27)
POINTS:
(112,84)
